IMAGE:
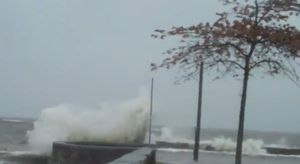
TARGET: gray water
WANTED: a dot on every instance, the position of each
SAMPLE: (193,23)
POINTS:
(268,137)
(280,139)
(13,139)
(13,134)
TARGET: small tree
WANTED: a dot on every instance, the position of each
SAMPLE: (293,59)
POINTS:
(252,35)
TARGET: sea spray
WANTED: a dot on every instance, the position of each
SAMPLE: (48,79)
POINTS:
(123,123)
(168,136)
(223,144)
(250,146)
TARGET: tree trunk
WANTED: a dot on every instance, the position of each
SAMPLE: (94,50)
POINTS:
(198,127)
(240,135)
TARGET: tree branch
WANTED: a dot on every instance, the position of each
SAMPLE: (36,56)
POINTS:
(230,61)
(260,62)
(235,46)
(256,12)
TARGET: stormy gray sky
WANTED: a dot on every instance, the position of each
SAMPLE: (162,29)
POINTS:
(87,52)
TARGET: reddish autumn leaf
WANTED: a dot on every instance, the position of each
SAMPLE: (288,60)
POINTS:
(262,26)
(253,35)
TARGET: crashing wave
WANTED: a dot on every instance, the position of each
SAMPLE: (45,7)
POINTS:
(168,142)
(123,123)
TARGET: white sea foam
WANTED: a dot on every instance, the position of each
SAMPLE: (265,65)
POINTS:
(11,120)
(123,123)
(254,147)
(250,146)
(168,136)
(282,143)
(174,150)
(222,144)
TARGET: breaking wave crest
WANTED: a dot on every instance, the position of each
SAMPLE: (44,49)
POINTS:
(121,123)
(168,141)
(250,146)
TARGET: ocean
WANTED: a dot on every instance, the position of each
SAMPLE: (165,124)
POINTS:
(15,149)
(223,140)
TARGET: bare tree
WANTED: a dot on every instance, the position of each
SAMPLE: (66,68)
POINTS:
(252,35)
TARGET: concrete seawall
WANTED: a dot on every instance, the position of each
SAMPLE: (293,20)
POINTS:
(283,151)
(100,153)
